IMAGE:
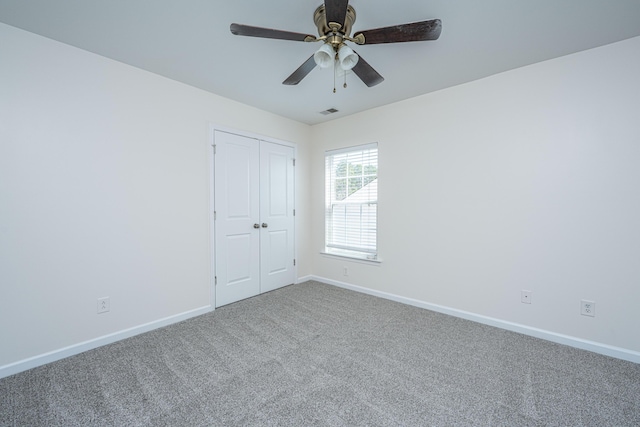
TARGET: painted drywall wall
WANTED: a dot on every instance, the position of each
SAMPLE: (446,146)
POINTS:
(104,191)
(524,180)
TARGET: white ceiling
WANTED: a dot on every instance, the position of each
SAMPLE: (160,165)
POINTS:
(189,41)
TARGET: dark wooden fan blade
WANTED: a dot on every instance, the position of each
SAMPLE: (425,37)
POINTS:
(301,72)
(367,74)
(336,10)
(268,33)
(417,31)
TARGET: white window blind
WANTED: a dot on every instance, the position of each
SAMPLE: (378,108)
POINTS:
(351,180)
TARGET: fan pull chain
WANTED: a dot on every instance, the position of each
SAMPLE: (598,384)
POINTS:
(335,68)
(345,80)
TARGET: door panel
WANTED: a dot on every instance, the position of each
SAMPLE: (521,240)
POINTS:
(276,212)
(236,204)
(277,183)
(238,270)
(276,258)
(238,176)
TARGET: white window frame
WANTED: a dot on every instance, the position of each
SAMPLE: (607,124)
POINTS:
(359,241)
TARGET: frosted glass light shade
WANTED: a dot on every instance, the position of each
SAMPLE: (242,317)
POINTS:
(347,57)
(325,56)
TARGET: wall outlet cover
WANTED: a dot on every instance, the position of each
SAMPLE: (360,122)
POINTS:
(588,308)
(104,305)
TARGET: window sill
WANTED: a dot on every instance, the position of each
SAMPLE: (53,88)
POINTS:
(350,257)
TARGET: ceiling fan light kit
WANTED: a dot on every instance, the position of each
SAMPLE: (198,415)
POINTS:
(347,57)
(325,56)
(334,20)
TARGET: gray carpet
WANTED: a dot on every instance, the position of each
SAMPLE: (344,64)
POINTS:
(313,354)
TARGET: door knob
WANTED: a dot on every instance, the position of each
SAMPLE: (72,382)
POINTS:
(264,225)
(256,225)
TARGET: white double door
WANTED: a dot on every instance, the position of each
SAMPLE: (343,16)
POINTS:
(254,216)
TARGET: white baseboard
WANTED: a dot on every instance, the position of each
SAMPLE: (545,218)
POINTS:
(43,359)
(305,279)
(607,350)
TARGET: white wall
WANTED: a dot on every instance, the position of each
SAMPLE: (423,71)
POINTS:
(525,180)
(104,192)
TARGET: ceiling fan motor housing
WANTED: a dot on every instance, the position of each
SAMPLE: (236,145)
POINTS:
(325,28)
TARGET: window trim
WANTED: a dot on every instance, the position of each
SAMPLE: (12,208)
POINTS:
(345,252)
(353,258)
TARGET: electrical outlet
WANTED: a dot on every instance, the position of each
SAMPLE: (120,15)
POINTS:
(104,305)
(588,308)
(525,297)
(345,271)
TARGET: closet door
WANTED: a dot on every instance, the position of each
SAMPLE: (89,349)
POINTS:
(237,217)
(276,216)
(254,217)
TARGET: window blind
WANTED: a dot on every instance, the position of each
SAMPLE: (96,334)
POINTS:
(351,180)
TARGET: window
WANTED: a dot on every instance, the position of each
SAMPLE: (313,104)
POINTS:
(351,194)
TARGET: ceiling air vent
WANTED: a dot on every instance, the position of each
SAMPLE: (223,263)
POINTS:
(329,111)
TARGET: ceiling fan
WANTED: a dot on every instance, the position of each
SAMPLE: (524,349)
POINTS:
(334,20)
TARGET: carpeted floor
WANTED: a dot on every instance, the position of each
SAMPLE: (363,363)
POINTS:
(313,354)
